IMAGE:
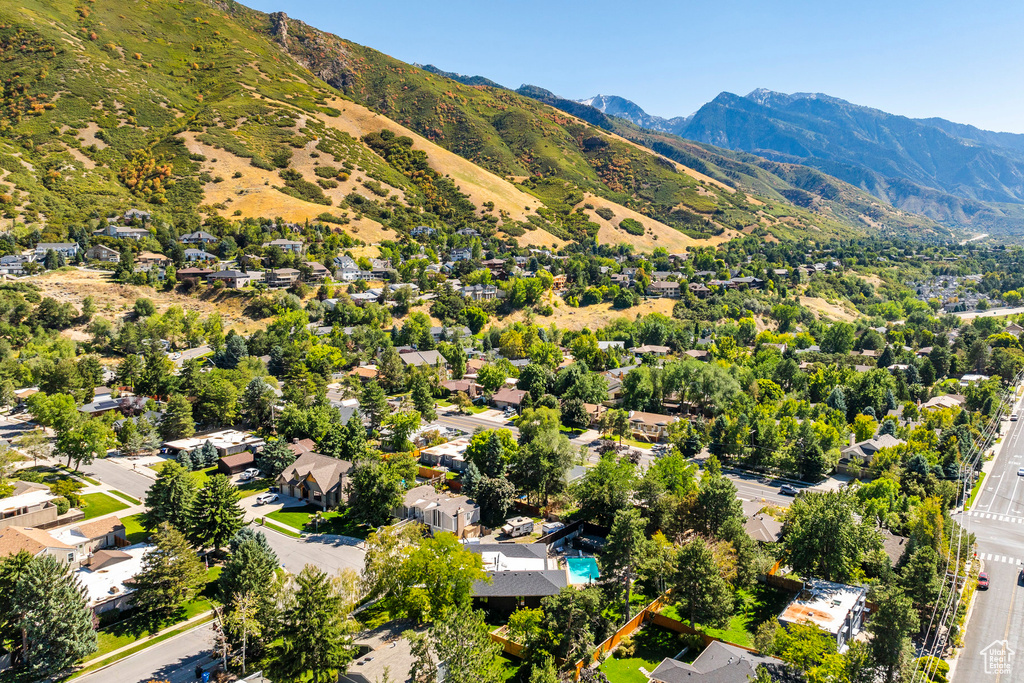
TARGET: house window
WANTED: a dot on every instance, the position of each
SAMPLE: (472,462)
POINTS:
(71,557)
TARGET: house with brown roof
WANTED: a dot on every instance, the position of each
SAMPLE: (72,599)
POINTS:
(233,464)
(317,479)
(365,372)
(439,511)
(467,386)
(653,349)
(31,505)
(508,397)
(96,534)
(663,288)
(650,427)
(35,542)
(282,277)
(148,258)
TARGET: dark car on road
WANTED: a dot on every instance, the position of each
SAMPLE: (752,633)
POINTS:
(983,581)
(788,490)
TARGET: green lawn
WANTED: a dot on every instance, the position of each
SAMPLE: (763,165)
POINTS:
(133,529)
(129,630)
(334,521)
(245,490)
(975,491)
(510,667)
(753,607)
(99,504)
(125,497)
(653,644)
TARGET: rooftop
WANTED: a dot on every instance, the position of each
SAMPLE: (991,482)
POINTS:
(823,603)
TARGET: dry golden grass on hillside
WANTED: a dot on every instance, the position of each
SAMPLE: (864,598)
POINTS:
(114,300)
(593,317)
(657,234)
(823,307)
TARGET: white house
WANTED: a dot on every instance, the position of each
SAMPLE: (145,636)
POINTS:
(438,511)
(68,249)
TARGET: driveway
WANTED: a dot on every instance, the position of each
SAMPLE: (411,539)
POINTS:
(330,553)
(119,477)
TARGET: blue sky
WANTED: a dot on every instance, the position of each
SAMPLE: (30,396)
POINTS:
(920,58)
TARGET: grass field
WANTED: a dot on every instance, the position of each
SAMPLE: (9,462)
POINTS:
(753,607)
(975,491)
(653,644)
(334,522)
(99,504)
(125,497)
(133,529)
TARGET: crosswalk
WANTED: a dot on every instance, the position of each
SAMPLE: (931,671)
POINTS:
(991,557)
(993,516)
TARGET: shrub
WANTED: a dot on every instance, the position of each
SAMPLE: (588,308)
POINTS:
(326,171)
(62,505)
(626,648)
(605,213)
(631,226)
(327,184)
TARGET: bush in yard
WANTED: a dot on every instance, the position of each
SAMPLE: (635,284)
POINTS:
(626,648)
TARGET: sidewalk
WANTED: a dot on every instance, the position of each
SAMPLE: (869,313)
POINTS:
(117,655)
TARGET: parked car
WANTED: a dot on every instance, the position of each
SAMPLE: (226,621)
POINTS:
(788,490)
(265,498)
(1020,471)
(1013,417)
(983,581)
(251,473)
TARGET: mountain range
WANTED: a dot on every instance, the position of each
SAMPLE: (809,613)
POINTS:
(204,110)
(954,173)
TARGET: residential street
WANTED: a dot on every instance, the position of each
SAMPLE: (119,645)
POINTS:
(118,476)
(330,553)
(172,660)
(997,520)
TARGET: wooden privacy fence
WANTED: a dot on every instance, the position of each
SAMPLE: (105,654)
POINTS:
(628,629)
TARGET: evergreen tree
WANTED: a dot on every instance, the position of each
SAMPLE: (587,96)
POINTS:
(374,404)
(208,454)
(170,498)
(177,422)
(12,568)
(314,644)
(495,498)
(171,576)
(184,458)
(890,628)
(391,371)
(257,404)
(217,516)
(702,595)
(274,458)
(887,358)
(232,353)
(7,396)
(837,400)
(423,399)
(56,621)
(471,479)
(251,571)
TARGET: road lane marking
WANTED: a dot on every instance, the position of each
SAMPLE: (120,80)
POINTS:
(1009,614)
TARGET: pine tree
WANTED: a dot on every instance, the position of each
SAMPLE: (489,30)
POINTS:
(837,400)
(216,514)
(391,371)
(374,404)
(170,498)
(422,399)
(209,454)
(55,617)
(274,458)
(171,576)
(314,642)
(257,404)
(177,422)
(702,594)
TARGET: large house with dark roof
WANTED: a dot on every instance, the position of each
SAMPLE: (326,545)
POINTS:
(317,479)
(719,663)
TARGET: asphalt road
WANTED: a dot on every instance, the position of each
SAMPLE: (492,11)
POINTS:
(121,478)
(330,553)
(172,660)
(997,520)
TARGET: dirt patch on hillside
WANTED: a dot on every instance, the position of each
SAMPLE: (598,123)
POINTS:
(823,307)
(596,316)
(114,301)
(88,136)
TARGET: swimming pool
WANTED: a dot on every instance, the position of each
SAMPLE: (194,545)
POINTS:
(582,570)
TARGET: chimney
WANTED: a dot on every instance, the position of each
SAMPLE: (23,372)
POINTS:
(852,437)
(295,439)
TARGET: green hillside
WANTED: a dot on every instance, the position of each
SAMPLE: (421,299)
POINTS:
(197,109)
(518,136)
